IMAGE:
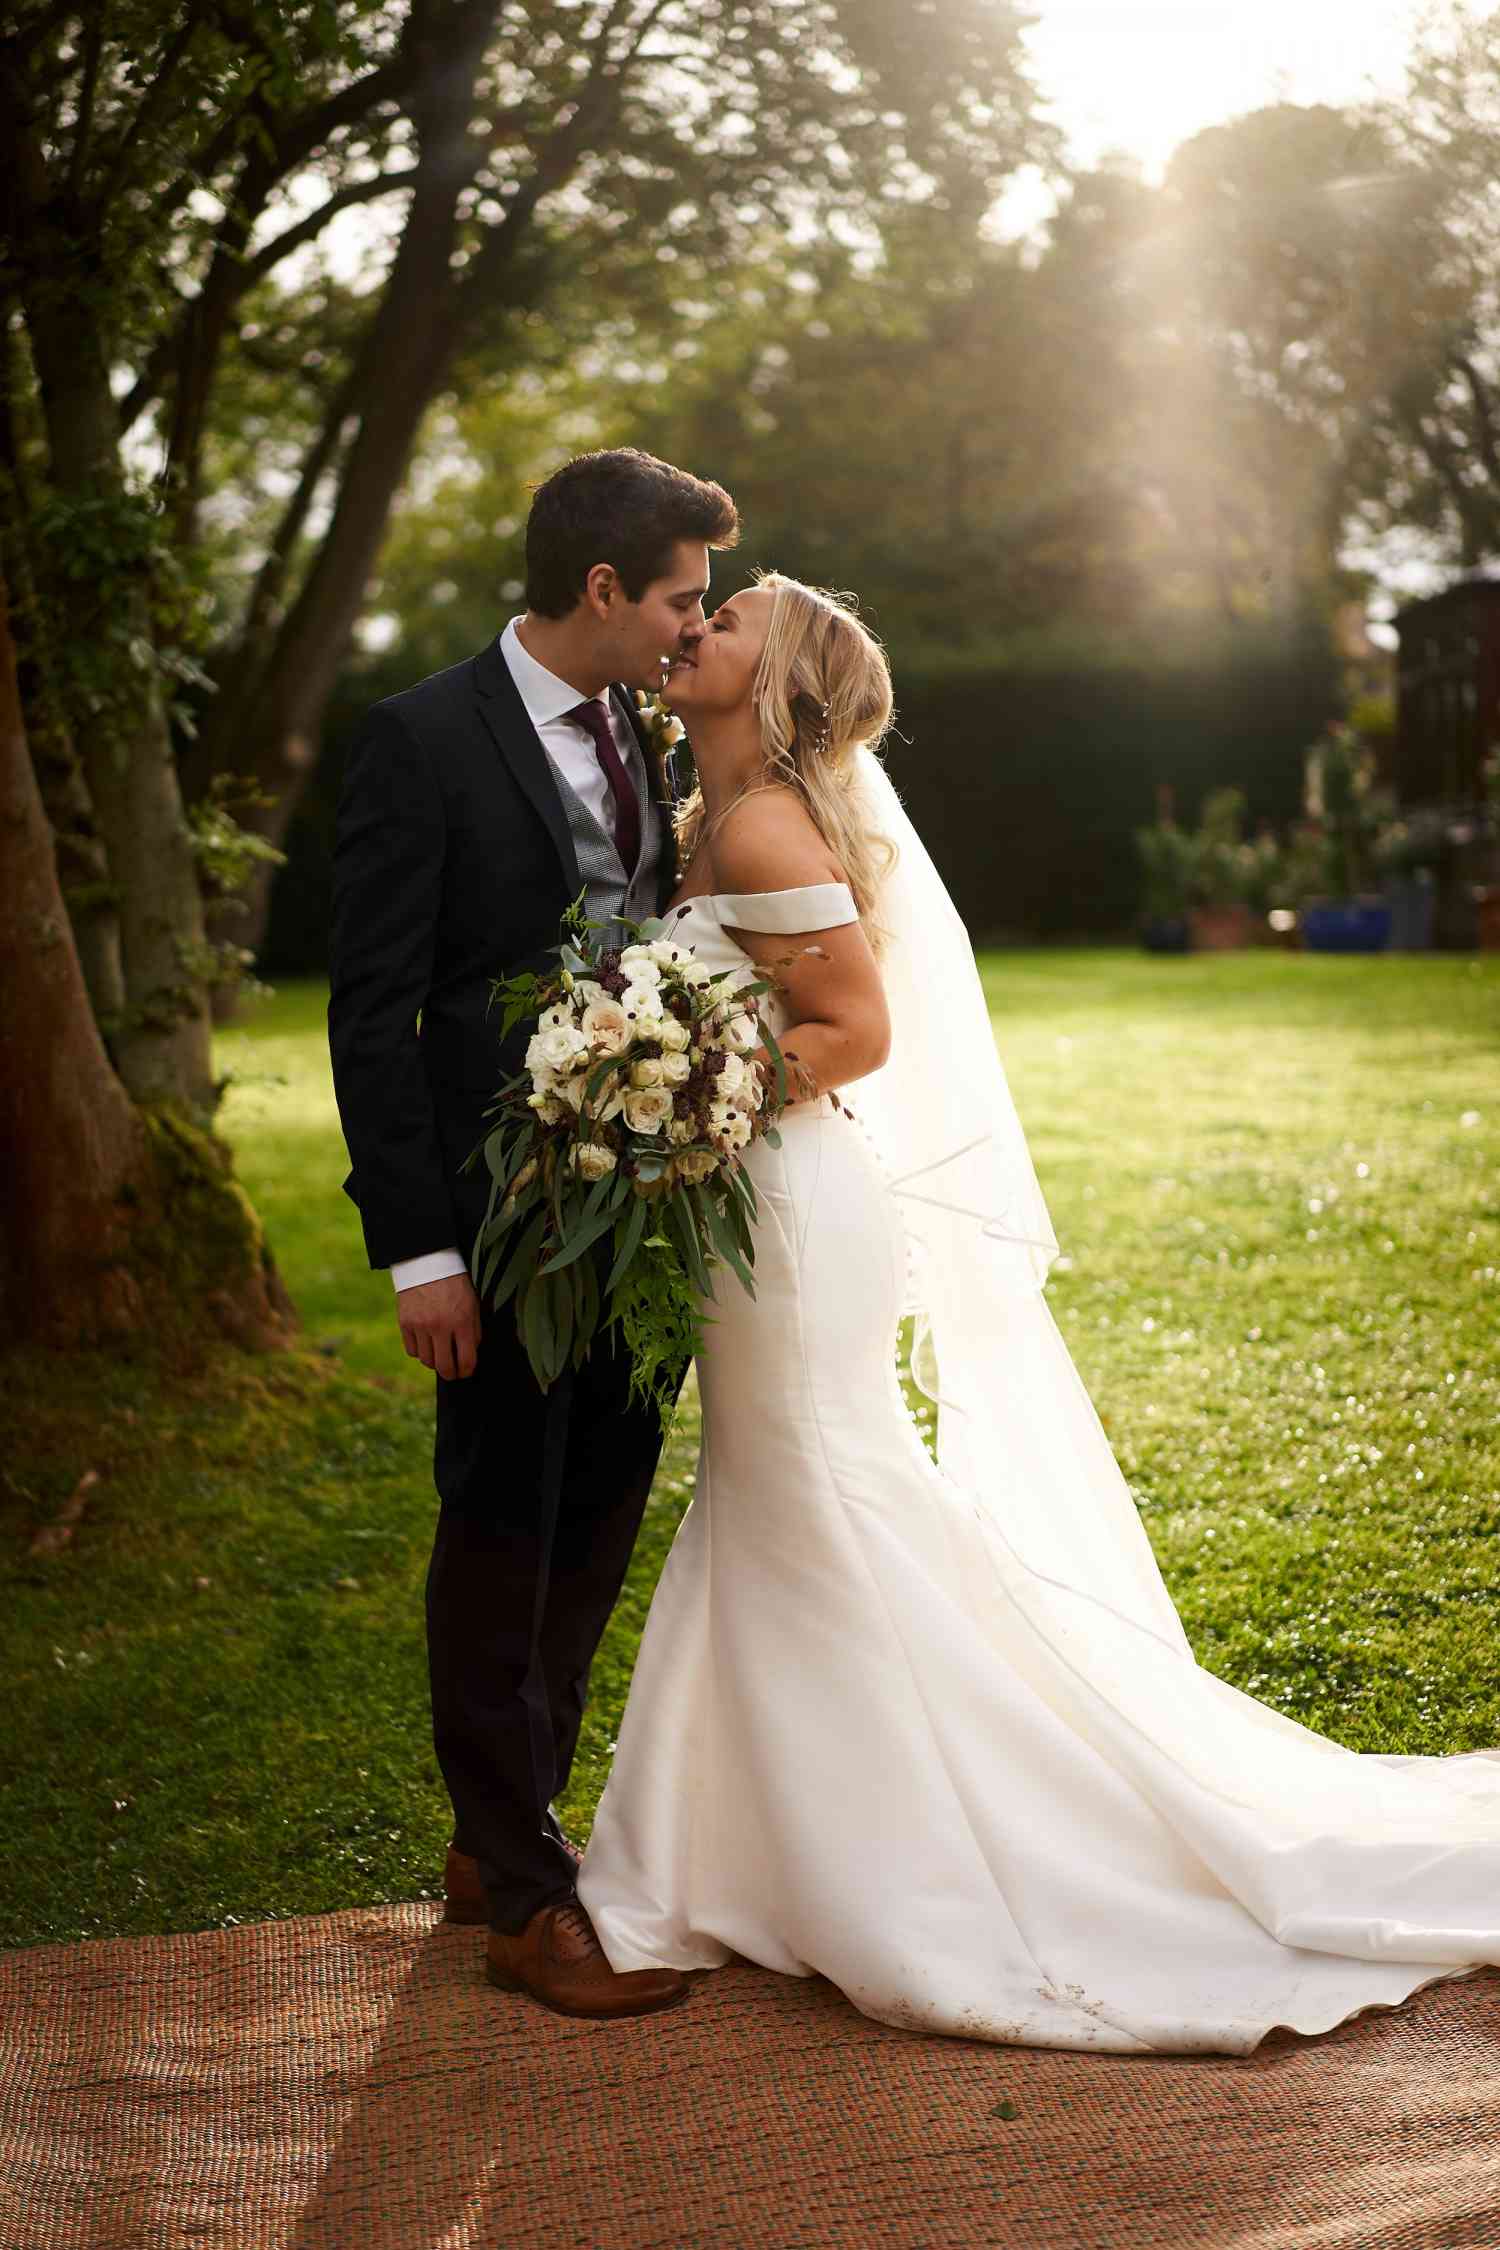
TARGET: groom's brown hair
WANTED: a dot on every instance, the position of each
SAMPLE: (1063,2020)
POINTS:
(622,507)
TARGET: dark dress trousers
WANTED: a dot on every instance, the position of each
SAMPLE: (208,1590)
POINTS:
(453,865)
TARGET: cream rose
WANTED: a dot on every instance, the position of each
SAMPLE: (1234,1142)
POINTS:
(592,1160)
(695,1164)
(647,1109)
(682,1129)
(733,1075)
(605,1026)
(648,1071)
(675,1069)
(674,1036)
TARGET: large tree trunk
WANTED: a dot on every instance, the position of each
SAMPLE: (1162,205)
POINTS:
(82,864)
(94,1185)
(162,1042)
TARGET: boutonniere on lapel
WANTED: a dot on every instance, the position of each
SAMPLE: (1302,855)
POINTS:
(664,731)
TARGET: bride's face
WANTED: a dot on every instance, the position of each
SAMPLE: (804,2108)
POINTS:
(718,672)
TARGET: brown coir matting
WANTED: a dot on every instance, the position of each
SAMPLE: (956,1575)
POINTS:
(349,2082)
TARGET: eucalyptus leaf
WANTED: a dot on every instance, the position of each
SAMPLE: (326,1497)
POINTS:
(521,1260)
(627,1243)
(721,1229)
(587,1232)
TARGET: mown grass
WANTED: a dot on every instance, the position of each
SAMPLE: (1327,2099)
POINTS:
(1276,1183)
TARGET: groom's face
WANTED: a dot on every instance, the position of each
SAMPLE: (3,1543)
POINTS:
(667,620)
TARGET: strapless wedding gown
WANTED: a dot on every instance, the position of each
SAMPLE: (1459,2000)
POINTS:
(867,1739)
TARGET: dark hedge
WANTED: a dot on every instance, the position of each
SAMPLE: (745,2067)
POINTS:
(1026,784)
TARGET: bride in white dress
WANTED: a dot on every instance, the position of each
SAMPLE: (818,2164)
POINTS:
(935,1731)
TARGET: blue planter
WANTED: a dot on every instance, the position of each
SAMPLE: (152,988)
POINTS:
(1347,925)
(1163,936)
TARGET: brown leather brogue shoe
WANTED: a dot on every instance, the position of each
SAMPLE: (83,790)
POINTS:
(463,1893)
(559,1961)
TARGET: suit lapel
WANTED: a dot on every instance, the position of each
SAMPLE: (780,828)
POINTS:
(520,745)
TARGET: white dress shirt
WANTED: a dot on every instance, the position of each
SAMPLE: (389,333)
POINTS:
(547,699)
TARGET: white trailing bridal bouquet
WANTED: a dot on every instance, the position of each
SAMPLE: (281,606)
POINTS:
(617,1191)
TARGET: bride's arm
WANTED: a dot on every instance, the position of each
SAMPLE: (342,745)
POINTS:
(838,1027)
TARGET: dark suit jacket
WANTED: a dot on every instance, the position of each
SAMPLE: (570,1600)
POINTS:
(452,865)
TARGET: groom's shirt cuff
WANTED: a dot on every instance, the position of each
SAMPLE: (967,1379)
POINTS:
(434,1265)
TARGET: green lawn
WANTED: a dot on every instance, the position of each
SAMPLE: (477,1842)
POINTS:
(1277,1187)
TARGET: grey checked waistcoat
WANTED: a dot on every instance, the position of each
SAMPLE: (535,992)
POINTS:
(609,895)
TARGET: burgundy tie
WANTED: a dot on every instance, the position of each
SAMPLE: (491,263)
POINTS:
(592,718)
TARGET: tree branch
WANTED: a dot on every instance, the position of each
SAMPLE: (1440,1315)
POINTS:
(1489,453)
(92,52)
(308,229)
(293,138)
(150,105)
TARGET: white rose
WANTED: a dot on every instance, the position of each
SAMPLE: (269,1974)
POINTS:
(648,1071)
(643,1002)
(647,1109)
(675,1070)
(639,965)
(694,972)
(592,1159)
(682,1129)
(562,1045)
(674,1036)
(605,1026)
(733,1074)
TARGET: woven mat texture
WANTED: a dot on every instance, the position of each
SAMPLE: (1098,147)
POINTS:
(349,2082)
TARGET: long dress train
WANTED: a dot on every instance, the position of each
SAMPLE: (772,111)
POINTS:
(987,1793)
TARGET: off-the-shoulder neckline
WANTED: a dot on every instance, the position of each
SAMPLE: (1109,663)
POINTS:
(711,898)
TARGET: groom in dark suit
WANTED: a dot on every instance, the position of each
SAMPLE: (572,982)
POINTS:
(475,808)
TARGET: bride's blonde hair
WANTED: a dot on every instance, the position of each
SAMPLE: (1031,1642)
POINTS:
(822,691)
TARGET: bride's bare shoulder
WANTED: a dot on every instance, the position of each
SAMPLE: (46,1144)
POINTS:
(770,842)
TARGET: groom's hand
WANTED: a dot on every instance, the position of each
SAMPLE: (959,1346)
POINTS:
(440,1325)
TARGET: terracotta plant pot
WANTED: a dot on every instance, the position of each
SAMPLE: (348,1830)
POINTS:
(1220,929)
